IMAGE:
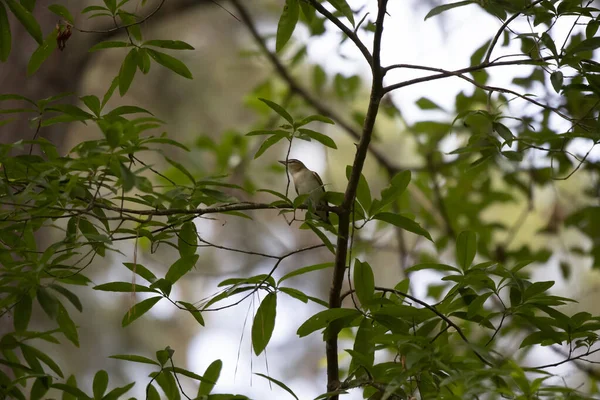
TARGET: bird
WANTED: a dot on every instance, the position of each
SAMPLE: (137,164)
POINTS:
(308,182)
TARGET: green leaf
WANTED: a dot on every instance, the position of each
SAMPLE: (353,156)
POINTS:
(5,35)
(22,313)
(321,236)
(264,323)
(279,110)
(48,302)
(169,44)
(181,168)
(152,393)
(295,293)
(270,141)
(304,270)
(93,103)
(139,309)
(100,383)
(163,285)
(61,11)
(267,132)
(123,287)
(324,318)
(404,223)
(110,91)
(537,288)
(586,45)
(315,117)
(67,326)
(187,239)
(319,137)
(109,44)
(278,383)
(43,357)
(194,311)
(504,132)
(364,282)
(127,110)
(556,79)
(127,178)
(513,155)
(39,388)
(116,393)
(210,375)
(134,358)
(94,8)
(181,267)
(287,23)
(466,247)
(363,192)
(26,19)
(435,267)
(343,7)
(397,186)
(132,20)
(440,9)
(127,72)
(71,389)
(363,345)
(42,53)
(170,62)
(72,297)
(425,104)
(144,61)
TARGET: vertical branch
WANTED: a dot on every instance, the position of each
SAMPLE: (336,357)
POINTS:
(335,299)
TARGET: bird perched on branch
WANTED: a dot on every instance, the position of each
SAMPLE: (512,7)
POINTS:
(308,182)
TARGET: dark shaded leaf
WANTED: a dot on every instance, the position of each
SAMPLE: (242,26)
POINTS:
(134,358)
(42,53)
(304,270)
(5,35)
(466,247)
(67,326)
(61,11)
(445,7)
(270,141)
(170,62)
(319,137)
(123,287)
(278,383)
(264,323)
(404,223)
(187,239)
(169,44)
(22,313)
(324,318)
(127,72)
(180,268)
(26,19)
(139,309)
(364,282)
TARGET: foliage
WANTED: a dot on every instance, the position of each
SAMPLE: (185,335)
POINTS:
(60,212)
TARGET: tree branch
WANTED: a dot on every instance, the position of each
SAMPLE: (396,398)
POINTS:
(296,88)
(349,196)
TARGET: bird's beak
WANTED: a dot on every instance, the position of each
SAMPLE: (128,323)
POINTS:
(282,162)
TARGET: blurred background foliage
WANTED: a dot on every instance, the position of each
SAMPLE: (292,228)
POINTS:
(515,198)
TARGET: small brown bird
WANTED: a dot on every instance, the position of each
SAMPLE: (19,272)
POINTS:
(308,182)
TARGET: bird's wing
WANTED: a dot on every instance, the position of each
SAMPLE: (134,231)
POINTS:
(318,178)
